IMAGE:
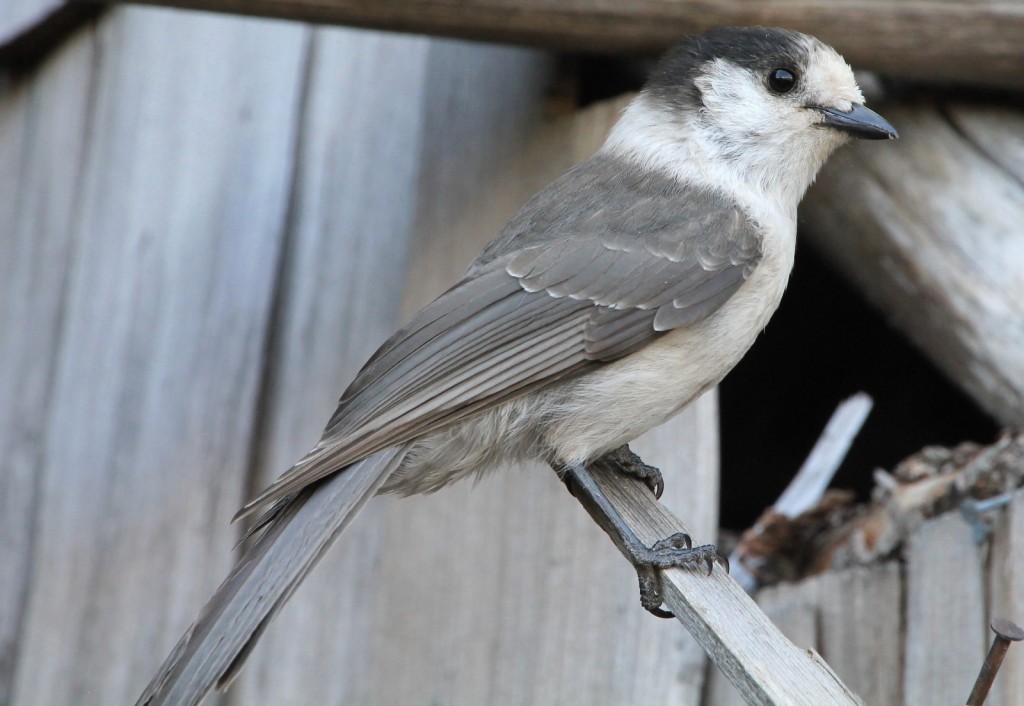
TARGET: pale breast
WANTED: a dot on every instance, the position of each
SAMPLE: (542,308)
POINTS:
(615,404)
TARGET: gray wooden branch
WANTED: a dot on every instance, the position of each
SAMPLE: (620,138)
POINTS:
(766,667)
(809,483)
(931,229)
(932,40)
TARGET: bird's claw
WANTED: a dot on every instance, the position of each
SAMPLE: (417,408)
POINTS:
(624,461)
(673,552)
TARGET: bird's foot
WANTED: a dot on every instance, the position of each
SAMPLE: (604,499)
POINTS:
(623,460)
(673,552)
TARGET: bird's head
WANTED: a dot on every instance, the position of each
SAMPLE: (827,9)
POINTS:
(772,104)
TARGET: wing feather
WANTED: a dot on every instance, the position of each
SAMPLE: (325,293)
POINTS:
(535,310)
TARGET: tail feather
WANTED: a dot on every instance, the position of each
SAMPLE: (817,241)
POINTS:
(214,648)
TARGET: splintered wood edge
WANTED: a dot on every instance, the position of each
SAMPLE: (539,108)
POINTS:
(753,654)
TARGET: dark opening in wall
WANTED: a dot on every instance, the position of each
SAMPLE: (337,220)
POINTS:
(824,344)
(604,77)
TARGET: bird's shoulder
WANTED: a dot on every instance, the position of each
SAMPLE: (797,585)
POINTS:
(609,203)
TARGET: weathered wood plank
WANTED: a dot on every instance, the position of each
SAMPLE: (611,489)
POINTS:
(944,641)
(686,451)
(929,230)
(1006,597)
(42,124)
(852,617)
(933,40)
(793,608)
(341,289)
(756,657)
(172,241)
(29,29)
(860,614)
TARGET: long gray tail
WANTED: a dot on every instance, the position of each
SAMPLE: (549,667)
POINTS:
(214,648)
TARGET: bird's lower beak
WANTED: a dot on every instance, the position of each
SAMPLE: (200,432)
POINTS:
(860,122)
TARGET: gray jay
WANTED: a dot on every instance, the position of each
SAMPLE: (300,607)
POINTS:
(609,302)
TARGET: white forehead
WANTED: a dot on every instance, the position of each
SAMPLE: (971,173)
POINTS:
(828,72)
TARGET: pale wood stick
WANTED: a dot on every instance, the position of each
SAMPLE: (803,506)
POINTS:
(753,654)
(825,458)
(810,482)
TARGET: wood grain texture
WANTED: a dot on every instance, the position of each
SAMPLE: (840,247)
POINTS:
(933,40)
(177,172)
(341,287)
(41,147)
(929,229)
(744,644)
(853,618)
(945,639)
(860,614)
(793,608)
(1006,597)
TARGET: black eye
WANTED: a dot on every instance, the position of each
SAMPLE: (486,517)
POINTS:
(781,80)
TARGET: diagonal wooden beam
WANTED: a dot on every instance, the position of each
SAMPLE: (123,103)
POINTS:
(766,668)
(931,40)
(30,28)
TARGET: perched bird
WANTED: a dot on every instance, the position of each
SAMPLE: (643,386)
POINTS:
(609,302)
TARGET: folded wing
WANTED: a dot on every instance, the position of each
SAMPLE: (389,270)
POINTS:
(539,310)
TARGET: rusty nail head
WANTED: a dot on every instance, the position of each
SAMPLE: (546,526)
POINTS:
(1007,629)
(1006,632)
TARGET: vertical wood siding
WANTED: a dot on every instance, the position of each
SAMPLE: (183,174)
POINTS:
(208,224)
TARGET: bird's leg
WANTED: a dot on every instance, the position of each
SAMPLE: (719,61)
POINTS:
(623,460)
(674,551)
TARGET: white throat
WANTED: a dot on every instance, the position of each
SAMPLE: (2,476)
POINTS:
(682,146)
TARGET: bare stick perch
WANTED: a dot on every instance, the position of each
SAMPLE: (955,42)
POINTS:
(766,667)
(810,482)
(934,40)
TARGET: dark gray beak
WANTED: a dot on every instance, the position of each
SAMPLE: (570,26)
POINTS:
(860,122)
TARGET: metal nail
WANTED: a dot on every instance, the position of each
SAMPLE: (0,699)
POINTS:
(974,513)
(1006,632)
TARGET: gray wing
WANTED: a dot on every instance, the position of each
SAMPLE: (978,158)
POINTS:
(536,310)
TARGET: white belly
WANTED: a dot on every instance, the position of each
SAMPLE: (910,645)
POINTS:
(621,401)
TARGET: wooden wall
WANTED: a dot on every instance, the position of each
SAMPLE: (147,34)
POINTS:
(913,630)
(148,167)
(208,224)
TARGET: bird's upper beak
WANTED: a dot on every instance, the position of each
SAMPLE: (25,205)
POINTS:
(859,121)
